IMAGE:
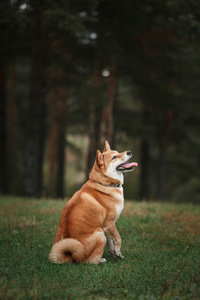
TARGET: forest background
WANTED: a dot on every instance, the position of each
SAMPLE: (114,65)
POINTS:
(74,73)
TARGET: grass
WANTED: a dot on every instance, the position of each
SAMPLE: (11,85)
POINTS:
(161,245)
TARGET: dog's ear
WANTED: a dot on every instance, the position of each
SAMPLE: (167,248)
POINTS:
(107,147)
(99,158)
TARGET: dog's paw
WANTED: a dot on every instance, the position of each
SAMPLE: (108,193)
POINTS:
(103,260)
(119,255)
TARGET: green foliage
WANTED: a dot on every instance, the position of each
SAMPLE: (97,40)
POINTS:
(160,244)
(68,16)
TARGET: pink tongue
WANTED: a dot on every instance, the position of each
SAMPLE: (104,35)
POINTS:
(129,165)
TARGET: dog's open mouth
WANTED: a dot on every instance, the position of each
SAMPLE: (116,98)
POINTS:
(127,167)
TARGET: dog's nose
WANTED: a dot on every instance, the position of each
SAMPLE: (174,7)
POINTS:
(129,153)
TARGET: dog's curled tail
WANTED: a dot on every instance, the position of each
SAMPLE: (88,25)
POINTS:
(66,250)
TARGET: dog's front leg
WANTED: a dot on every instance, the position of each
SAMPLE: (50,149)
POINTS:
(110,244)
(113,240)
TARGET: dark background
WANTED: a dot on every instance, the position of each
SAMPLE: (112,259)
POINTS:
(76,72)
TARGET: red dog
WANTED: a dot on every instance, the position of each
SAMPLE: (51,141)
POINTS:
(88,220)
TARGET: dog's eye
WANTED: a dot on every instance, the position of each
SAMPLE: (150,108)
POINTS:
(114,157)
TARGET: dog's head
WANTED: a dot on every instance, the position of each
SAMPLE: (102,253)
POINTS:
(112,163)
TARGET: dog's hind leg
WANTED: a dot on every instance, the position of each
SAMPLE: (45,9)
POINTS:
(94,248)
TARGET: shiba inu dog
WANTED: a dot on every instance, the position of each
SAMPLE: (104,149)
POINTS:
(87,221)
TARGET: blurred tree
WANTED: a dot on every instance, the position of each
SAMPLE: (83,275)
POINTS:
(3,169)
(69,37)
(106,65)
(112,91)
(61,142)
(11,106)
(36,114)
(53,133)
(8,22)
(95,113)
(58,119)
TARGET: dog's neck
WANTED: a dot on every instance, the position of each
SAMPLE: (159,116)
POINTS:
(112,185)
(96,175)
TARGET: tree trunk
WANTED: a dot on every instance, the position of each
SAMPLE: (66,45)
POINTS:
(145,157)
(95,134)
(36,116)
(62,124)
(53,136)
(95,117)
(108,110)
(11,123)
(3,159)
(144,181)
(164,140)
(91,147)
(101,117)
(162,167)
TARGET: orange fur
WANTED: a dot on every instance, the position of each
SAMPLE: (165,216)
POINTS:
(88,219)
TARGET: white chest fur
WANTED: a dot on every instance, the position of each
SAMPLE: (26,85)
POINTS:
(120,204)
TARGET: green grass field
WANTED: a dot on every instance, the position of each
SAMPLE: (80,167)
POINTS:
(161,245)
